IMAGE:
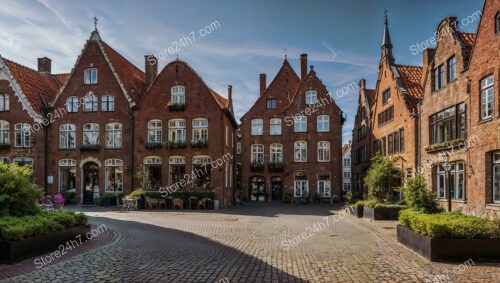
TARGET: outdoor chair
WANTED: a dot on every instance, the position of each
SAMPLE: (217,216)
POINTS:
(206,203)
(169,202)
(151,203)
(193,202)
(177,202)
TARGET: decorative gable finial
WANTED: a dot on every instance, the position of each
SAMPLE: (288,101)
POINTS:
(95,34)
(285,53)
(95,23)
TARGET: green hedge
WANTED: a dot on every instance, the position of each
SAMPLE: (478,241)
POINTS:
(17,228)
(182,195)
(449,225)
(375,204)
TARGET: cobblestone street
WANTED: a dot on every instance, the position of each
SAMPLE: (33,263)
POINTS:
(244,244)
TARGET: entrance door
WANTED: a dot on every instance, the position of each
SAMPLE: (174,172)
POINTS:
(90,182)
(257,188)
(276,185)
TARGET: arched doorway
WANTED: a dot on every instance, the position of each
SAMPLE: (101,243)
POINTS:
(277,189)
(257,188)
(90,182)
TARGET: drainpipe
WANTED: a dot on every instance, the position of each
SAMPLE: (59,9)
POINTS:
(223,143)
(132,139)
(45,112)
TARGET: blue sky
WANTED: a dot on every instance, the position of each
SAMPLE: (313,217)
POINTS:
(342,38)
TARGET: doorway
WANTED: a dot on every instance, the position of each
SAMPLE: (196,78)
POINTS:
(90,182)
(277,189)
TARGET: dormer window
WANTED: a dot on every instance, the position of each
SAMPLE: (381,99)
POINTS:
(4,102)
(90,76)
(179,94)
(311,97)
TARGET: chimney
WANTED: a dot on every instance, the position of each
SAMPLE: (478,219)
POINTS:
(230,92)
(303,66)
(263,85)
(44,65)
(427,57)
(150,68)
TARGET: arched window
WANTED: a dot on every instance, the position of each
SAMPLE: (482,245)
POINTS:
(301,184)
(67,136)
(155,131)
(257,127)
(4,102)
(91,133)
(257,151)
(177,131)
(276,153)
(4,132)
(323,151)
(67,175)
(275,127)
(113,135)
(114,175)
(152,169)
(300,151)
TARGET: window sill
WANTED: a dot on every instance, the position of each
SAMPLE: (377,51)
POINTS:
(485,120)
(493,206)
(453,200)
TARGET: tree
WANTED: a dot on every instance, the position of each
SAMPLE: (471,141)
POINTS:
(379,176)
(18,196)
(418,196)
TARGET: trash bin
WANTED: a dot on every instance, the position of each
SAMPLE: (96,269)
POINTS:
(216,204)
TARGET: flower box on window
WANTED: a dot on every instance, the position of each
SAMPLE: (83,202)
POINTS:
(276,167)
(90,147)
(153,145)
(4,146)
(257,166)
(444,145)
(199,143)
(174,106)
(175,145)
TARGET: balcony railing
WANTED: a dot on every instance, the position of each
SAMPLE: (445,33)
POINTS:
(174,106)
(175,144)
(90,147)
(199,143)
(257,166)
(276,167)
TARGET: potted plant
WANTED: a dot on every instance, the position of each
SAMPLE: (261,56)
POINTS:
(257,166)
(58,201)
(153,145)
(141,195)
(90,147)
(200,143)
(175,106)
(276,167)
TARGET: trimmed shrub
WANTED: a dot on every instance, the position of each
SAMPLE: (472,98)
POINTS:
(418,196)
(449,225)
(379,176)
(375,204)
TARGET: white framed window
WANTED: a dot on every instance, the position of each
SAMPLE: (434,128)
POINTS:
(4,132)
(323,151)
(301,184)
(153,168)
(25,162)
(238,148)
(300,124)
(22,135)
(275,127)
(487,97)
(90,103)
(177,130)
(457,181)
(113,135)
(155,131)
(496,177)
(324,184)
(257,153)
(67,175)
(72,104)
(114,175)
(226,133)
(311,97)
(276,153)
(91,133)
(178,94)
(257,127)
(90,76)
(4,102)
(200,129)
(452,69)
(177,168)
(67,136)
(203,170)
(300,151)
(323,123)
(108,103)
(4,160)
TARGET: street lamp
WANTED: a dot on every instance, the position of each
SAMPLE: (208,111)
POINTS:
(447,168)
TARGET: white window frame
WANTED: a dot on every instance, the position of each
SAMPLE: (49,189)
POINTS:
(4,132)
(300,151)
(323,151)
(442,186)
(276,153)
(238,148)
(114,135)
(4,102)
(91,133)
(178,93)
(257,127)
(300,124)
(4,160)
(301,187)
(64,164)
(257,153)
(72,104)
(324,186)
(110,164)
(22,130)
(155,131)
(200,129)
(108,103)
(90,76)
(67,136)
(323,123)
(495,178)
(311,97)
(177,130)
(275,127)
(90,103)
(487,98)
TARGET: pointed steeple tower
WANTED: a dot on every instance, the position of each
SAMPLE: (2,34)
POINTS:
(386,43)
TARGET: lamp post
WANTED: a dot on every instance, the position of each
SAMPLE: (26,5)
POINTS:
(447,168)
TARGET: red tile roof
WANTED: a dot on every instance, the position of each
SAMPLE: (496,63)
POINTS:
(131,76)
(346,147)
(33,83)
(62,77)
(221,101)
(410,77)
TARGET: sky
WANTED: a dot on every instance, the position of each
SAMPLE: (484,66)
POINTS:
(239,39)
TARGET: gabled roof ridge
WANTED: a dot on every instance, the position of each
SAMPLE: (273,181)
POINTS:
(121,56)
(411,66)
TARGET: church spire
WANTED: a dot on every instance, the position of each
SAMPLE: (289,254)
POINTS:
(386,42)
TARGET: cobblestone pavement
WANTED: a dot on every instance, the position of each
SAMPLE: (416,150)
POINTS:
(245,244)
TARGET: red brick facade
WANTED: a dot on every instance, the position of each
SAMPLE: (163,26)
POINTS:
(281,158)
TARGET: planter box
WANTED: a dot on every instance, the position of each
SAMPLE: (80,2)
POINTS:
(381,213)
(357,211)
(11,252)
(450,249)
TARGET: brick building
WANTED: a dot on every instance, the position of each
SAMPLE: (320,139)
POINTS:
(443,114)
(361,138)
(346,168)
(24,96)
(483,193)
(196,123)
(291,139)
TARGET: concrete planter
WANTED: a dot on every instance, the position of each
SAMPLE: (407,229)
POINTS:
(357,211)
(14,251)
(450,249)
(381,213)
